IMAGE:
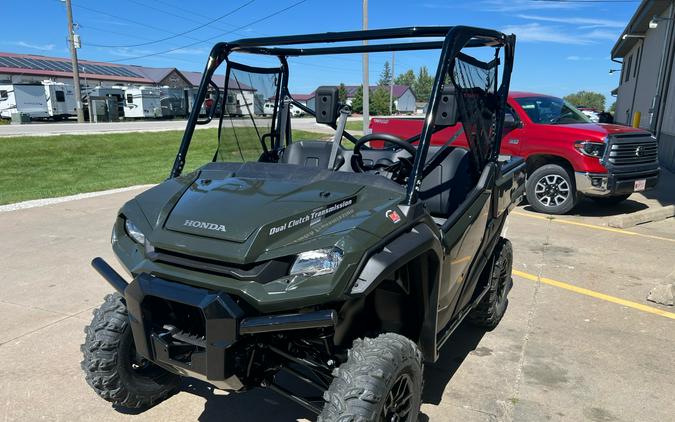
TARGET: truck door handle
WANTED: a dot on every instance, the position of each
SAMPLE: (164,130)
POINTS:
(514,141)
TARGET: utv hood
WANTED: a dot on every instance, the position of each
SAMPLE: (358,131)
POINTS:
(231,207)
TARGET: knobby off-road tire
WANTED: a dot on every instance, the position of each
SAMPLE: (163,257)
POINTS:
(492,307)
(550,189)
(113,368)
(381,376)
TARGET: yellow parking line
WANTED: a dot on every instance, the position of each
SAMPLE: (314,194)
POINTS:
(593,226)
(597,295)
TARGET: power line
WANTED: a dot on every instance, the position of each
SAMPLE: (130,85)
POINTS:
(231,12)
(214,37)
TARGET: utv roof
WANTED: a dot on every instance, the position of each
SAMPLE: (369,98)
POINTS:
(468,36)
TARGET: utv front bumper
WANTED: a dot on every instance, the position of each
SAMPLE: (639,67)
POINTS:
(195,332)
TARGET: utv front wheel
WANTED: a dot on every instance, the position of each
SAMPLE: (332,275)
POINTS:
(113,368)
(380,381)
(492,307)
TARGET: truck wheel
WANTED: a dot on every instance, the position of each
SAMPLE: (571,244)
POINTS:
(609,200)
(113,368)
(550,190)
(491,309)
(380,381)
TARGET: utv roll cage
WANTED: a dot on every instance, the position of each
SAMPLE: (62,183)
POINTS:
(455,38)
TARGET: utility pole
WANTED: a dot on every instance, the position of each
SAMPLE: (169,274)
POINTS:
(391,84)
(73,58)
(366,84)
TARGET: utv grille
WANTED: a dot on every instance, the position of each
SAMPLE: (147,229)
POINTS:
(261,272)
(632,149)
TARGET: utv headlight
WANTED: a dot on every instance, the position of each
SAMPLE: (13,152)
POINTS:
(318,262)
(590,148)
(134,232)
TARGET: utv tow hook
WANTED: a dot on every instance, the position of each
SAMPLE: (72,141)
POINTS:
(109,274)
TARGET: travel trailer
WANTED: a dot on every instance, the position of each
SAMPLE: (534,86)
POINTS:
(60,97)
(142,102)
(28,99)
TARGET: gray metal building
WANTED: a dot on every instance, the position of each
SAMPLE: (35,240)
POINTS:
(646,91)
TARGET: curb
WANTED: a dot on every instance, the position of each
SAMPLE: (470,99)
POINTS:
(640,217)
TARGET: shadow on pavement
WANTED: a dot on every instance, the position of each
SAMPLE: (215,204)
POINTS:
(437,375)
(254,405)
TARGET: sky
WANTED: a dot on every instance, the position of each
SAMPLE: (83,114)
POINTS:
(562,46)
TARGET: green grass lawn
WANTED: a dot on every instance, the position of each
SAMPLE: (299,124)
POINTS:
(354,125)
(34,167)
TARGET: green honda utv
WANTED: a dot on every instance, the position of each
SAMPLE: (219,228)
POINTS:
(342,263)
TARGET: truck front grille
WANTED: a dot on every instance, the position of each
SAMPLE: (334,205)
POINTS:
(632,149)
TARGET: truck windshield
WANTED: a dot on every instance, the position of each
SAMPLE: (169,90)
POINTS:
(551,111)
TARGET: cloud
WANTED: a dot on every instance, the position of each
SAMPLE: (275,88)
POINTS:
(525,5)
(535,32)
(578,58)
(24,44)
(587,22)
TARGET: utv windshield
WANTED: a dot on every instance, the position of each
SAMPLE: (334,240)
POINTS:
(551,111)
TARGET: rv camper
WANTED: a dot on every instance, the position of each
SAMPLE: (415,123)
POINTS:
(142,102)
(172,101)
(60,98)
(26,99)
(115,93)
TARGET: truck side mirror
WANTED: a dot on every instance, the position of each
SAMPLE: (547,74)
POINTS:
(447,109)
(210,103)
(510,122)
(327,105)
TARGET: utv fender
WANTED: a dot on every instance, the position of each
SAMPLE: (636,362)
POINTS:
(395,255)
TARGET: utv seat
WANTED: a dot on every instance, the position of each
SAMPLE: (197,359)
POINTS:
(448,185)
(308,153)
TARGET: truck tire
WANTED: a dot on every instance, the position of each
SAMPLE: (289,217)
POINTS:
(113,368)
(380,381)
(607,201)
(550,190)
(492,307)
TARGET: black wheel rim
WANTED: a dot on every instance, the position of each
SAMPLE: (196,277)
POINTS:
(398,403)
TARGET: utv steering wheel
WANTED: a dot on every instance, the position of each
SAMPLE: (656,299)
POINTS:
(396,168)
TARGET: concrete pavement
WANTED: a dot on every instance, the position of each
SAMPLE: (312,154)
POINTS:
(557,355)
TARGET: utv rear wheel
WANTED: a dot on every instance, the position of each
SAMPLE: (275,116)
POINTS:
(550,190)
(380,381)
(113,368)
(492,307)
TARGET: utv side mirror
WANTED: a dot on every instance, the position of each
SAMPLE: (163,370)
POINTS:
(210,104)
(447,109)
(327,104)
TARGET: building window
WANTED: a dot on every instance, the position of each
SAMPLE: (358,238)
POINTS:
(130,98)
(60,97)
(628,66)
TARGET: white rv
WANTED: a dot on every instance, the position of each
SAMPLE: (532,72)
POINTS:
(142,102)
(61,101)
(27,99)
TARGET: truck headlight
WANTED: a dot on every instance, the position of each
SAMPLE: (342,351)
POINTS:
(590,148)
(134,232)
(318,262)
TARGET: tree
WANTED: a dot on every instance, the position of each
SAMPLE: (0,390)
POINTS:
(612,108)
(423,84)
(342,93)
(357,101)
(379,101)
(385,76)
(587,99)
(407,78)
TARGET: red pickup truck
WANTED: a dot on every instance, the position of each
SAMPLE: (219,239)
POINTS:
(567,155)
